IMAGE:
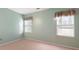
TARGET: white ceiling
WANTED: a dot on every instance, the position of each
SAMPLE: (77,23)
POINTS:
(26,10)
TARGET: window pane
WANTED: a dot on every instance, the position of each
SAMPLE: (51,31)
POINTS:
(28,29)
(28,25)
(65,26)
(65,32)
(67,20)
(59,21)
(28,22)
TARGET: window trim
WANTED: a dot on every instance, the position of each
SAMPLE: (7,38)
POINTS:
(62,29)
(28,18)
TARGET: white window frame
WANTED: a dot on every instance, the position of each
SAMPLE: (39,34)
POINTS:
(64,28)
(28,26)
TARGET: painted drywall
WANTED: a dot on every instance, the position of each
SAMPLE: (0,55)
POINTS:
(44,28)
(10,23)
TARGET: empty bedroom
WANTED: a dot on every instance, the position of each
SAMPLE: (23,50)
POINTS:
(39,28)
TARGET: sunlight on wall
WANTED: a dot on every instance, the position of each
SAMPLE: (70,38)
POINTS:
(21,26)
(38,21)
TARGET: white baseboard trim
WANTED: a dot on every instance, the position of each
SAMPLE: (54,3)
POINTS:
(70,47)
(12,41)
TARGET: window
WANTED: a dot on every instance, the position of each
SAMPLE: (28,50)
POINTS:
(28,25)
(65,23)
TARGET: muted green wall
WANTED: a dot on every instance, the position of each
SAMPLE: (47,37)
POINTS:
(9,25)
(44,28)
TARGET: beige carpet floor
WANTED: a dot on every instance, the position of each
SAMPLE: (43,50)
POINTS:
(31,45)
